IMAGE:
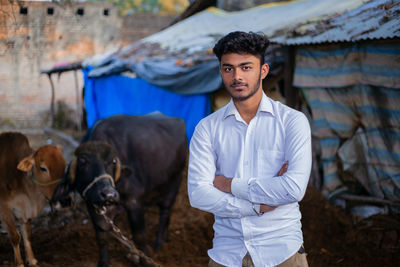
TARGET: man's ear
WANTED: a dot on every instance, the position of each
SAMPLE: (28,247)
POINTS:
(264,70)
(26,164)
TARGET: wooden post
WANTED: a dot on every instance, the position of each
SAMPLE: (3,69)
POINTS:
(78,105)
(291,93)
(52,101)
(60,69)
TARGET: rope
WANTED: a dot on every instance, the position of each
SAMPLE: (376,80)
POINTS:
(136,255)
(103,176)
(45,184)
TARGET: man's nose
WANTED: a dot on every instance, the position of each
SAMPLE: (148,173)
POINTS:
(237,75)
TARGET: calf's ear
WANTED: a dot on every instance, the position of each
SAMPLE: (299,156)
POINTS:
(60,148)
(26,164)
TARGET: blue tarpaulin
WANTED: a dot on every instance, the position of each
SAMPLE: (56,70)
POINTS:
(164,72)
(119,94)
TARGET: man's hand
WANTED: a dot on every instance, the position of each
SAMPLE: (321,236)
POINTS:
(283,169)
(223,183)
(264,207)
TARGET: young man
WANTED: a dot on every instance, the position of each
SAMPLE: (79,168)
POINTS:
(250,163)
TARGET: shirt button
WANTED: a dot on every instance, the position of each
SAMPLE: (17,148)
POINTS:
(246,163)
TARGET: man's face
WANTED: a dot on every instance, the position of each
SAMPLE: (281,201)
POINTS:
(242,75)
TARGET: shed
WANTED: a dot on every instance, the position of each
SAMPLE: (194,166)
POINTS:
(175,70)
(347,66)
(342,57)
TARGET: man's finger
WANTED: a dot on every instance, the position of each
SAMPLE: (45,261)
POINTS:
(266,208)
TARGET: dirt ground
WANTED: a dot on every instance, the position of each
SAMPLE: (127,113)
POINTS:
(332,236)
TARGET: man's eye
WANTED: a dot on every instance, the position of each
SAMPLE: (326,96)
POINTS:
(246,68)
(227,69)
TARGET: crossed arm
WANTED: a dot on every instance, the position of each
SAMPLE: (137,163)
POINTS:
(214,194)
(224,184)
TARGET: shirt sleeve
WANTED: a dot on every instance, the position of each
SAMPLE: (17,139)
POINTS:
(201,173)
(291,186)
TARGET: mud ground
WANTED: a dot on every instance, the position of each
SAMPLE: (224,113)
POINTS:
(332,236)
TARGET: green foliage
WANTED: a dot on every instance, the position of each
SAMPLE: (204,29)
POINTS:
(137,6)
(126,7)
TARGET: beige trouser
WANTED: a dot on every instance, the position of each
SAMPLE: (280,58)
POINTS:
(299,259)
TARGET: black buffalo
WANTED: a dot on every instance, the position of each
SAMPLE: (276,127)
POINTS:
(144,157)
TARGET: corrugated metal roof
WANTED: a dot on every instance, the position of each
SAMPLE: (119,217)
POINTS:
(292,22)
(376,19)
(196,35)
(200,31)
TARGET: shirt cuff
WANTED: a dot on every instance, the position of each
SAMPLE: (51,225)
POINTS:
(256,208)
(246,208)
(240,188)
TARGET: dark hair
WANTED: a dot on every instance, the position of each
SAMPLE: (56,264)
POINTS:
(242,43)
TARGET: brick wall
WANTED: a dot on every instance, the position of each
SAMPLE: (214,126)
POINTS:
(40,36)
(140,25)
(53,33)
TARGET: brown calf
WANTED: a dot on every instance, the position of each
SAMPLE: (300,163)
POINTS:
(27,179)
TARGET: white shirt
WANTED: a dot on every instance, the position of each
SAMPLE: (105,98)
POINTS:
(252,154)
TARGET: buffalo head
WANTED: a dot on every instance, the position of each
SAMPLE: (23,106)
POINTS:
(93,173)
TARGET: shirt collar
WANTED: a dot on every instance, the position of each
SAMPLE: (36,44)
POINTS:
(265,106)
(230,109)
